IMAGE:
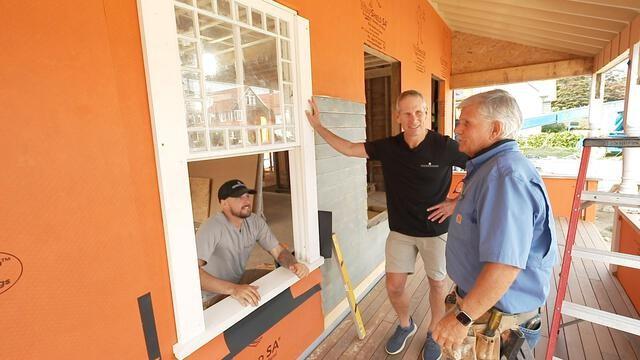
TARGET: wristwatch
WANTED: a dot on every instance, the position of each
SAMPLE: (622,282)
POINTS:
(462,317)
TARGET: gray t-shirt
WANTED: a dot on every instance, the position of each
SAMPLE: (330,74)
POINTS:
(226,248)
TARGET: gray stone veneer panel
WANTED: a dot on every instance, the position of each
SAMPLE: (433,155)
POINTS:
(342,189)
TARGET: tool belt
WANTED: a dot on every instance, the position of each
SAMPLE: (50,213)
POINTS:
(480,346)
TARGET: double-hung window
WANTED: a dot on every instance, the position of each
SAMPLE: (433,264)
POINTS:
(226,78)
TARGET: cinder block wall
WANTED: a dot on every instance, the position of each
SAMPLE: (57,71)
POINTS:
(342,189)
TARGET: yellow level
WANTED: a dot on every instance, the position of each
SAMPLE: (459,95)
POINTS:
(357,319)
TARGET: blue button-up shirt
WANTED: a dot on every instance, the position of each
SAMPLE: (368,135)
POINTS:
(504,216)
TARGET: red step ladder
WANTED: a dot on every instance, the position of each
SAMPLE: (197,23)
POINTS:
(581,200)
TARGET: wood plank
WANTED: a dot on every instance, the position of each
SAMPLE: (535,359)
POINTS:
(200,197)
(590,284)
(379,317)
(602,334)
(551,70)
(367,303)
(419,305)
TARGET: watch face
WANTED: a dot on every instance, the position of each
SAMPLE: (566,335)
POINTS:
(463,318)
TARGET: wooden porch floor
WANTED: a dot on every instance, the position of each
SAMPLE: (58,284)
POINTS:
(591,284)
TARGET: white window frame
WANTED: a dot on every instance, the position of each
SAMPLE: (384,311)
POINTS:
(162,64)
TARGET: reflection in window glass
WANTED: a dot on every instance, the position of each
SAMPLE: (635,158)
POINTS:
(271,24)
(278,136)
(256,19)
(287,93)
(231,77)
(243,14)
(197,141)
(286,72)
(188,53)
(265,136)
(184,22)
(191,84)
(284,48)
(211,29)
(288,115)
(291,134)
(218,67)
(284,28)
(235,137)
(224,7)
(205,5)
(216,137)
(194,114)
(252,136)
(260,60)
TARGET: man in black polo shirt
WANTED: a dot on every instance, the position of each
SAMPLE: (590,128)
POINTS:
(417,172)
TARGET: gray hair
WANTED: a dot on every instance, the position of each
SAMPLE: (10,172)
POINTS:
(500,106)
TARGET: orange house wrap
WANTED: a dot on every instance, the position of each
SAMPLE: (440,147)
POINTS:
(80,201)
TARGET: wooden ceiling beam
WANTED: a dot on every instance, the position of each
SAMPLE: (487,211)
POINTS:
(491,7)
(596,11)
(521,40)
(447,10)
(518,74)
(526,36)
(624,4)
(540,32)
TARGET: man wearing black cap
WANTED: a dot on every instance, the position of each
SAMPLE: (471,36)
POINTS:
(224,243)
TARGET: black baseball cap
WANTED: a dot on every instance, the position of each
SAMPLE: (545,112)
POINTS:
(233,188)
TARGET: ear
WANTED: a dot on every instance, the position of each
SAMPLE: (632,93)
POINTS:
(224,203)
(496,129)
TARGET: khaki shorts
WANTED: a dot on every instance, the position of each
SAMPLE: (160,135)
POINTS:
(401,251)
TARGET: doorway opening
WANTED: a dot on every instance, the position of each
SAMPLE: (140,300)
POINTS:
(382,87)
(437,105)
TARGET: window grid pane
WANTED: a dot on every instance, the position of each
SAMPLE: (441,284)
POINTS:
(224,64)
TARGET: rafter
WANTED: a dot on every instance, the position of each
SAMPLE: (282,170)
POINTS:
(446,10)
(521,29)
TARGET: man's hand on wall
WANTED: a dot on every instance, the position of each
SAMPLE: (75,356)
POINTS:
(314,115)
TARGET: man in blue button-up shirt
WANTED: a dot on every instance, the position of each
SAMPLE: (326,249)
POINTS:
(501,248)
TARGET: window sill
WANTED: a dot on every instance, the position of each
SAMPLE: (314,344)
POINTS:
(227,312)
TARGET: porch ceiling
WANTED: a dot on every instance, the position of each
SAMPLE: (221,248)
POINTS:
(580,27)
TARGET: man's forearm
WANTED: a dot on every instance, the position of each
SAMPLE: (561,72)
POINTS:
(341,145)
(285,259)
(213,284)
(492,283)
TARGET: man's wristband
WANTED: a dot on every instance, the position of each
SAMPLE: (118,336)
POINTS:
(463,318)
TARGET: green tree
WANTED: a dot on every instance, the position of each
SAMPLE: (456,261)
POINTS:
(615,84)
(572,92)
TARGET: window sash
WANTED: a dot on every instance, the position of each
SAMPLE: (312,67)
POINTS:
(161,55)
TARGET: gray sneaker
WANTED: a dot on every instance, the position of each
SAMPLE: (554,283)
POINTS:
(398,340)
(431,349)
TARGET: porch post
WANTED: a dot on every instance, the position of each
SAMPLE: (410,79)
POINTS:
(596,101)
(631,156)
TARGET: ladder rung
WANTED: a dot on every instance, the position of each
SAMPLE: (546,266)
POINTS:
(617,199)
(604,318)
(610,257)
(615,141)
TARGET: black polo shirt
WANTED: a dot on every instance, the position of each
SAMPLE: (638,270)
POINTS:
(416,179)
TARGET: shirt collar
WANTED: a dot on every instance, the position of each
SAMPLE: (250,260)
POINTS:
(489,152)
